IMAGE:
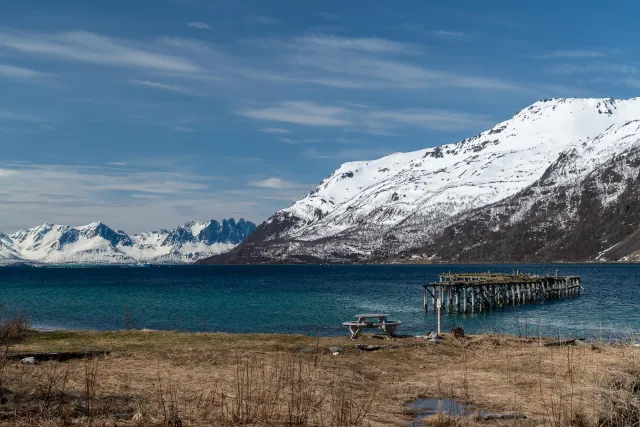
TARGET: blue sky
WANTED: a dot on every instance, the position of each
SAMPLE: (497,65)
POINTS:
(149,113)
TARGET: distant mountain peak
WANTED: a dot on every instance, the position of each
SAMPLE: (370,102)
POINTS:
(98,243)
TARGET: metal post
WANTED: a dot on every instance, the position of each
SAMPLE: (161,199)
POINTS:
(439,304)
(426,302)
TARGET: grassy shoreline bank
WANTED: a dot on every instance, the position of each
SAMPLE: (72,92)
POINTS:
(160,378)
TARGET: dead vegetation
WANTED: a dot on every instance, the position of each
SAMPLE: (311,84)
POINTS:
(172,379)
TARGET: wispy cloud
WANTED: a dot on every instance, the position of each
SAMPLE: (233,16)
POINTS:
(633,82)
(348,154)
(362,63)
(452,35)
(83,46)
(307,113)
(198,25)
(598,67)
(438,120)
(330,16)
(278,131)
(578,53)
(354,104)
(325,42)
(275,183)
(371,63)
(183,129)
(12,71)
(292,141)
(300,113)
(242,159)
(20,117)
(162,86)
(124,197)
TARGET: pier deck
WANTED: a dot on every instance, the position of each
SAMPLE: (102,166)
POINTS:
(478,292)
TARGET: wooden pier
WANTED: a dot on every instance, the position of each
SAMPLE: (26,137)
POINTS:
(478,292)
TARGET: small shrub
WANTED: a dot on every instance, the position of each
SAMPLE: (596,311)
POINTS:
(620,400)
(13,330)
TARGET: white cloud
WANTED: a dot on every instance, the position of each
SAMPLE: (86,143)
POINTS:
(242,159)
(330,16)
(353,104)
(572,54)
(275,183)
(452,35)
(183,129)
(632,82)
(597,67)
(83,46)
(275,130)
(307,113)
(6,172)
(365,63)
(33,194)
(198,25)
(324,42)
(12,71)
(161,86)
(349,154)
(362,70)
(131,198)
(19,117)
(299,112)
(438,120)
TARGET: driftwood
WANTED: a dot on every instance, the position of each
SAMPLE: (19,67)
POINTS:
(512,416)
(559,343)
(61,356)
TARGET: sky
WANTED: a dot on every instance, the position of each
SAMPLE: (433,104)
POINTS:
(145,114)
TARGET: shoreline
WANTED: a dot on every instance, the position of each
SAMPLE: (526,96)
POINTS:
(630,339)
(399,263)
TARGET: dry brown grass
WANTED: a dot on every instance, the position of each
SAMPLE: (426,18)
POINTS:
(173,379)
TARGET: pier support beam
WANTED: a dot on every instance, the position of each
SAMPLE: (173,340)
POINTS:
(464,299)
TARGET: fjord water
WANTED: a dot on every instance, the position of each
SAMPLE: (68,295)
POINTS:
(309,299)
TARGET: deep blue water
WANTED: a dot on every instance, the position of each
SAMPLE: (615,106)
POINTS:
(305,299)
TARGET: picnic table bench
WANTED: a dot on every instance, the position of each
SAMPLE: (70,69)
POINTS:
(372,321)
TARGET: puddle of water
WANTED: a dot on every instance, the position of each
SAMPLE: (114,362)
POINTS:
(427,407)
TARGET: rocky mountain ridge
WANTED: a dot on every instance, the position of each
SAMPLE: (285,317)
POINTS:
(541,181)
(97,243)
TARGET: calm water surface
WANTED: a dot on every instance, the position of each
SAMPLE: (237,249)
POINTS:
(305,299)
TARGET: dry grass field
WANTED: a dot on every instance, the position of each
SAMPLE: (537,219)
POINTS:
(172,379)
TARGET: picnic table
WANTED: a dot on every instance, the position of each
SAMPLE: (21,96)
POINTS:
(372,320)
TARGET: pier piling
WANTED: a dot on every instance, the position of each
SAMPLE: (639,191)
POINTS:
(487,291)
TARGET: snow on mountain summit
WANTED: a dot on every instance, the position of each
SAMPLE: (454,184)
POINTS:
(97,243)
(487,167)
(404,199)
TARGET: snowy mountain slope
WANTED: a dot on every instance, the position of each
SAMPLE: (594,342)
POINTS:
(586,206)
(7,253)
(377,208)
(96,243)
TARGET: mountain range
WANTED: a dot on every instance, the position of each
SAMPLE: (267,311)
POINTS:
(97,243)
(559,181)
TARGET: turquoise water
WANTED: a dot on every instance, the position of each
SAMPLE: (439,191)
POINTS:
(305,299)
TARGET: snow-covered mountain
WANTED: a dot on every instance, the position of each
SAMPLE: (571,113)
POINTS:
(416,203)
(97,243)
